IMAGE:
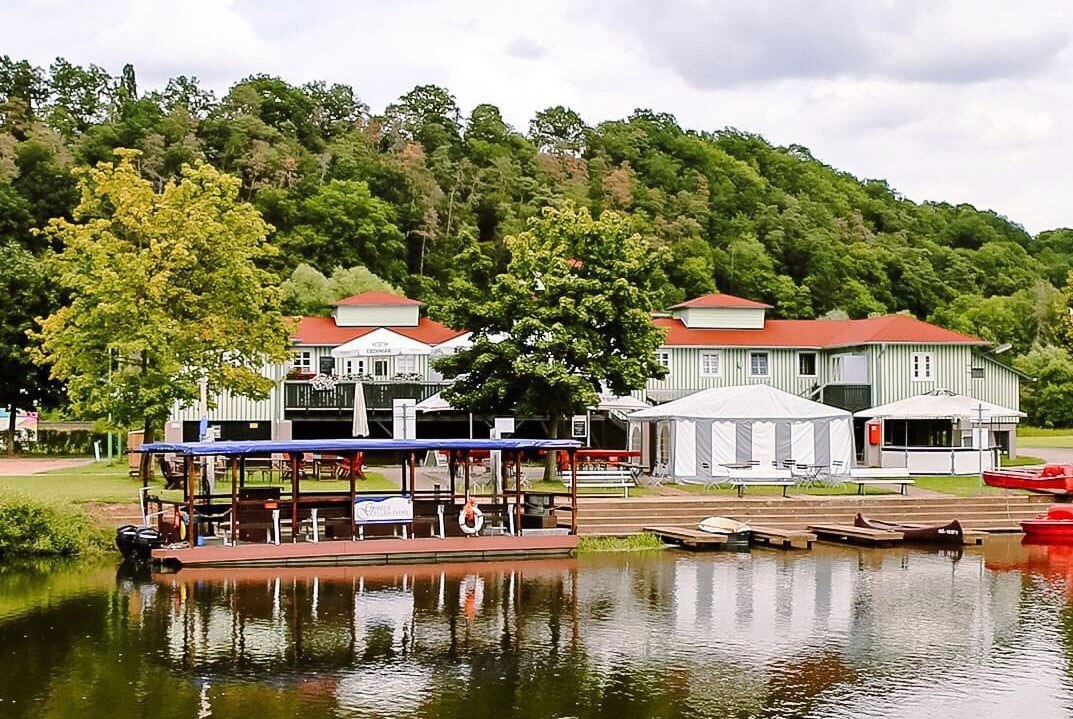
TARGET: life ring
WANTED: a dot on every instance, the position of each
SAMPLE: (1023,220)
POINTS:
(471,513)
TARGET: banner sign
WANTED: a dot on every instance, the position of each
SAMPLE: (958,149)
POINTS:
(383,510)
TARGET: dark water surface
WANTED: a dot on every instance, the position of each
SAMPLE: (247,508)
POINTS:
(831,633)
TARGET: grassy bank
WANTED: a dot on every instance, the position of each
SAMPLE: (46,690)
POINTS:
(35,529)
(634,543)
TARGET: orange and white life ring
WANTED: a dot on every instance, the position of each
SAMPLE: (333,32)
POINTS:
(471,518)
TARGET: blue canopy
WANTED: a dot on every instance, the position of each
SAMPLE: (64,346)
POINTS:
(359,444)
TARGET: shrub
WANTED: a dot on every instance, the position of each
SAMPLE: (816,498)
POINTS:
(30,529)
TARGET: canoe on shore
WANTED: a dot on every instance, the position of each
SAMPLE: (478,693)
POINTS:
(951,532)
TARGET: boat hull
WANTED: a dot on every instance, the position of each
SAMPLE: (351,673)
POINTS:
(1048,531)
(1052,479)
(950,533)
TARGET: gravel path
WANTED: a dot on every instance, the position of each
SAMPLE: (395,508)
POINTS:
(18,466)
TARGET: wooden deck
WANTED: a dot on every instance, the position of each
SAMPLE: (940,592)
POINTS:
(781,538)
(855,535)
(688,538)
(372,551)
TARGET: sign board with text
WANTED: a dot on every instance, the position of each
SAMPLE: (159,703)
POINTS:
(383,510)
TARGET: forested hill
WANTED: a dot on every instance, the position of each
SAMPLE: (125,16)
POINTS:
(404,189)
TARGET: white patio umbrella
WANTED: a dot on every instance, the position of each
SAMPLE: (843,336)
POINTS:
(360,425)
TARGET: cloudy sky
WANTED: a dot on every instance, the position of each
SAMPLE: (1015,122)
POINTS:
(956,101)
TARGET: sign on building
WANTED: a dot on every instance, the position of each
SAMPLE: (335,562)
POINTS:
(383,510)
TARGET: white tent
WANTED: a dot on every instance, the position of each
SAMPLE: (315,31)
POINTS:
(381,342)
(942,404)
(748,423)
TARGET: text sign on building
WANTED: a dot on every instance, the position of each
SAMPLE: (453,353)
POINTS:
(503,425)
(383,510)
(579,426)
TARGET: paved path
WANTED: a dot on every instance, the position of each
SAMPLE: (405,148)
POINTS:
(17,466)
(1051,454)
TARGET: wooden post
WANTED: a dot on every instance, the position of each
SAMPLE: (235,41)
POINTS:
(518,493)
(452,471)
(294,497)
(353,516)
(573,490)
(242,473)
(234,500)
(413,473)
(465,473)
(191,528)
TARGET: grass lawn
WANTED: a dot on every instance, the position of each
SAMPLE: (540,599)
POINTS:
(1024,430)
(110,484)
(1063,441)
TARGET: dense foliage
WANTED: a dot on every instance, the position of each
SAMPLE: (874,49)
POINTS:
(408,191)
(31,529)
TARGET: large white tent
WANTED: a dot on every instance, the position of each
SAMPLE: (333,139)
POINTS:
(747,423)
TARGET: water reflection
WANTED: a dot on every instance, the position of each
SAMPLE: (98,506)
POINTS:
(895,633)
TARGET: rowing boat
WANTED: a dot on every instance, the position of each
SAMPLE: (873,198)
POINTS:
(951,532)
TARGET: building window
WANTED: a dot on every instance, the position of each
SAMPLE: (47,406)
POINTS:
(303,360)
(406,364)
(923,367)
(354,366)
(711,364)
(664,359)
(806,364)
(758,364)
(380,368)
(977,372)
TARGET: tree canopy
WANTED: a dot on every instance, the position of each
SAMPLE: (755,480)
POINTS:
(164,291)
(409,189)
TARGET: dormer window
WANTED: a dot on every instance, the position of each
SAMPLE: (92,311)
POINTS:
(719,311)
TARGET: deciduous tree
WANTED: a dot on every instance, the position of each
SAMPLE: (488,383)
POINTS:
(164,291)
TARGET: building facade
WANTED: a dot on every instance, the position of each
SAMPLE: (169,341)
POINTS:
(382,340)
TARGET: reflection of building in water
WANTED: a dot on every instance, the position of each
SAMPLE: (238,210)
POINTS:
(723,633)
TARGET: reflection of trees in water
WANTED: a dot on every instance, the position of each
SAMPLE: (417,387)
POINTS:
(670,635)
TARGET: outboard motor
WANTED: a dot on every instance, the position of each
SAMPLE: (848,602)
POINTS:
(124,540)
(145,541)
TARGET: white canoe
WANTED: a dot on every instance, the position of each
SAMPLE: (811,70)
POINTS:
(722,525)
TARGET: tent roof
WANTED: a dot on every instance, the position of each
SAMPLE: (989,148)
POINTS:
(937,404)
(238,449)
(752,401)
(381,342)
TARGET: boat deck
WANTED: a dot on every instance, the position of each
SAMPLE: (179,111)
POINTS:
(372,551)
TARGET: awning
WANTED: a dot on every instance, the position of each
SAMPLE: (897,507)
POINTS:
(381,342)
(741,402)
(943,404)
(238,449)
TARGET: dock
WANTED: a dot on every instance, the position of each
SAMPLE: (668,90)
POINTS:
(781,538)
(688,538)
(372,551)
(847,533)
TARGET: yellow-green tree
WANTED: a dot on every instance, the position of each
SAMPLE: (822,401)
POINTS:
(164,289)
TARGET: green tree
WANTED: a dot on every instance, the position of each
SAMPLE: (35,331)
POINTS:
(570,315)
(28,293)
(558,130)
(343,224)
(308,292)
(164,291)
(1047,398)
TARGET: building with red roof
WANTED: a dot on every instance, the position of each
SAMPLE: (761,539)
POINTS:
(383,340)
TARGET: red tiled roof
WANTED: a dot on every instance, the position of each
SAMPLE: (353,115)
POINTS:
(376,298)
(721,301)
(324,331)
(816,333)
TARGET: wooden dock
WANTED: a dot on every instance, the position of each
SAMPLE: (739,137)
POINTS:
(781,538)
(688,538)
(847,533)
(372,551)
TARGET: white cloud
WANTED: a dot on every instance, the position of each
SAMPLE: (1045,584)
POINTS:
(959,101)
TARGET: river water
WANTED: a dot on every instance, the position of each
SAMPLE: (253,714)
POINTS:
(830,633)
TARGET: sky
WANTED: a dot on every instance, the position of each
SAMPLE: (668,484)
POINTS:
(950,101)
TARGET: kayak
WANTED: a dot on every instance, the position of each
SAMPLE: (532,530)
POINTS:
(1051,479)
(951,532)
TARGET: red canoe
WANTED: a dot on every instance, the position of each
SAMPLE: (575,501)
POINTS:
(1052,479)
(1056,526)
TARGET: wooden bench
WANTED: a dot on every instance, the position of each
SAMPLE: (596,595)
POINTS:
(903,483)
(850,533)
(741,484)
(610,478)
(781,538)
